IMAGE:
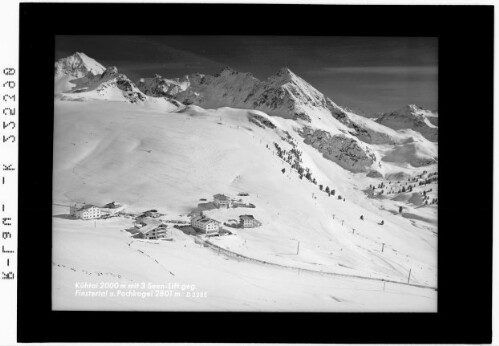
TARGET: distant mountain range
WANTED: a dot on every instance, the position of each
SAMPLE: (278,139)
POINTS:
(336,131)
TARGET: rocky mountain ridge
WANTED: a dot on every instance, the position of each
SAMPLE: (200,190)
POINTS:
(348,139)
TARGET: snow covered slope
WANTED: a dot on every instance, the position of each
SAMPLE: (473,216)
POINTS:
(147,158)
(288,96)
(203,280)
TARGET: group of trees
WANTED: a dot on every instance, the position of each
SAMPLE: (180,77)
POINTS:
(403,189)
(426,198)
(328,191)
(294,158)
(432,177)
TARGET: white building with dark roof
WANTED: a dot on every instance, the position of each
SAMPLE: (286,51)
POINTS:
(85,212)
(248,221)
(153,231)
(206,225)
(112,208)
(221,201)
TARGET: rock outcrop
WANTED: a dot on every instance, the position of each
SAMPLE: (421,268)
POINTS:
(345,151)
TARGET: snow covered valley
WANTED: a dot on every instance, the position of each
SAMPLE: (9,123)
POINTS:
(158,155)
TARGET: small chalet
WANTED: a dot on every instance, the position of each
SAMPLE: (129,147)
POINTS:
(112,208)
(221,201)
(85,212)
(153,231)
(206,225)
(142,221)
(248,221)
(151,213)
(150,228)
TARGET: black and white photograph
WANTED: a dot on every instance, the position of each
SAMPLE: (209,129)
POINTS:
(245,173)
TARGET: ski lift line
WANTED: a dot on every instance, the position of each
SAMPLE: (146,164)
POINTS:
(240,257)
(384,245)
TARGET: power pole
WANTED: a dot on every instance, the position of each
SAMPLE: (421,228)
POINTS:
(342,223)
(298,248)
(409,278)
(383,247)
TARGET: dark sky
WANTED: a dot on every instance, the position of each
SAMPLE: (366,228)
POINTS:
(371,74)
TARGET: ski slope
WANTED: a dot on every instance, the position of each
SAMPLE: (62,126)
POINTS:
(154,156)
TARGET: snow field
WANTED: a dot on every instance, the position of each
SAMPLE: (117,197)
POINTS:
(148,158)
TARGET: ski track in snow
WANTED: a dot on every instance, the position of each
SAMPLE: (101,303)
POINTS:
(152,258)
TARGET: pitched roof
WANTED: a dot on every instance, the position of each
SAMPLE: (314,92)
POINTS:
(149,221)
(112,205)
(147,228)
(85,207)
(247,217)
(221,197)
(204,220)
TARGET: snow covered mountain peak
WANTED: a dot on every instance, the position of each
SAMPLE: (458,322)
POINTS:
(413,107)
(286,73)
(158,86)
(229,73)
(79,77)
(412,117)
(77,65)
(410,110)
(283,76)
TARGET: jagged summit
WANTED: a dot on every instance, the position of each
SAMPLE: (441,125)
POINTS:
(228,71)
(285,72)
(77,65)
(282,76)
(79,76)
(413,107)
(409,110)
(412,117)
(158,86)
(110,71)
(283,94)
